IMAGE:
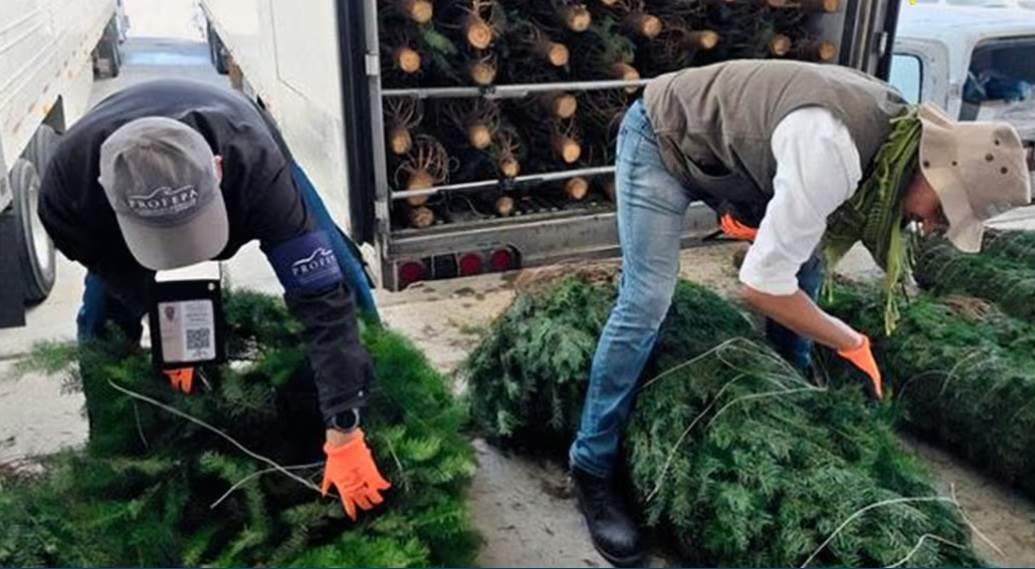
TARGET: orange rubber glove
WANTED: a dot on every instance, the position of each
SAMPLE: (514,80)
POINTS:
(862,358)
(180,379)
(351,469)
(736,230)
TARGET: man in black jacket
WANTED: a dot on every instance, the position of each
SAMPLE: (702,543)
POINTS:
(171,173)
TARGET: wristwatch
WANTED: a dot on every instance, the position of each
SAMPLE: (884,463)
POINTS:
(346,421)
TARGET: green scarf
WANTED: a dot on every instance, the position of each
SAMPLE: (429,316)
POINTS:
(874,214)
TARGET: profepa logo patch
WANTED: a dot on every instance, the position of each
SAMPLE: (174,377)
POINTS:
(315,265)
(164,201)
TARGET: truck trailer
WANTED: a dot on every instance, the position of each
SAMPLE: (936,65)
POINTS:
(335,83)
(50,51)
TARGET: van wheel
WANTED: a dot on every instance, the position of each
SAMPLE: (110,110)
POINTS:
(35,249)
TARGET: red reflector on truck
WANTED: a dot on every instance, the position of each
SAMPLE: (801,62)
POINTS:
(501,260)
(411,272)
(471,264)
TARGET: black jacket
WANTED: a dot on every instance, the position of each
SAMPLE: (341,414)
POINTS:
(261,199)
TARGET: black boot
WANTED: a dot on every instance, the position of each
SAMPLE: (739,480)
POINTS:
(614,533)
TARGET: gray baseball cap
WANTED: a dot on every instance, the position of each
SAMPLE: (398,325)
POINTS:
(160,178)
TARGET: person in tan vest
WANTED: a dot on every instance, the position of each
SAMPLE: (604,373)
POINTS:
(804,160)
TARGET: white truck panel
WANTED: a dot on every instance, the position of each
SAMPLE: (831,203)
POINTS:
(45,53)
(288,54)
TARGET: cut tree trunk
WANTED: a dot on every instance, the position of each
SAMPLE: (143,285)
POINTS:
(575,18)
(482,72)
(420,180)
(704,39)
(625,72)
(559,105)
(400,141)
(780,45)
(479,136)
(643,24)
(504,206)
(576,188)
(818,50)
(556,54)
(421,217)
(478,32)
(509,167)
(420,11)
(406,59)
(566,148)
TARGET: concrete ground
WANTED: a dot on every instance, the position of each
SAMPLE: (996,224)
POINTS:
(521,507)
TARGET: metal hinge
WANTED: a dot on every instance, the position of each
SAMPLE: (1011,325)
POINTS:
(373,64)
(882,43)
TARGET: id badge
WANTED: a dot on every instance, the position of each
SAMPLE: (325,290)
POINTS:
(187,322)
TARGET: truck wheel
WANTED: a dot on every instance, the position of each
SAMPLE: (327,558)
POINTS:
(35,249)
(41,148)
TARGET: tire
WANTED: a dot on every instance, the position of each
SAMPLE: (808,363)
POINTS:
(41,148)
(35,249)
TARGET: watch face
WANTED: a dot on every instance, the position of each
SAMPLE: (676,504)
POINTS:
(346,420)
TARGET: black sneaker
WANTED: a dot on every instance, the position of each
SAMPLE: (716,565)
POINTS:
(613,531)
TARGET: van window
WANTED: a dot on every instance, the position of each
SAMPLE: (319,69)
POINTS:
(1001,78)
(907,76)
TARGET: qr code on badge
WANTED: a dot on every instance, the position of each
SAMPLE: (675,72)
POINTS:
(199,339)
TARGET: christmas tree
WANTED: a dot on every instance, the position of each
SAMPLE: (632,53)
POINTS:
(229,475)
(730,452)
(1004,275)
(963,374)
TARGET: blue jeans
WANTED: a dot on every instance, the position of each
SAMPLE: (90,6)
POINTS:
(100,306)
(652,205)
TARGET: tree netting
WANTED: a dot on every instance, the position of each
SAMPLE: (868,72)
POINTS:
(730,451)
(154,488)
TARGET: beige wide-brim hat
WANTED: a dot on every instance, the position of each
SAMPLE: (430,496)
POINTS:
(978,169)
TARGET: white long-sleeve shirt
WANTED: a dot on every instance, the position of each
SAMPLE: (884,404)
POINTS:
(818,169)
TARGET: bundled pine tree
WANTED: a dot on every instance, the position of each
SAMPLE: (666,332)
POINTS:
(1014,245)
(426,165)
(999,278)
(225,477)
(963,373)
(414,52)
(729,450)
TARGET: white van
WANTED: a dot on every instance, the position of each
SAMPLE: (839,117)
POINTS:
(977,62)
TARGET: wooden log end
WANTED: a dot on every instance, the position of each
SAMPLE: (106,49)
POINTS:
(420,11)
(567,149)
(479,136)
(826,51)
(509,167)
(576,17)
(706,39)
(406,59)
(420,180)
(644,25)
(478,32)
(421,217)
(400,141)
(576,188)
(482,73)
(561,106)
(780,45)
(504,206)
(558,55)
